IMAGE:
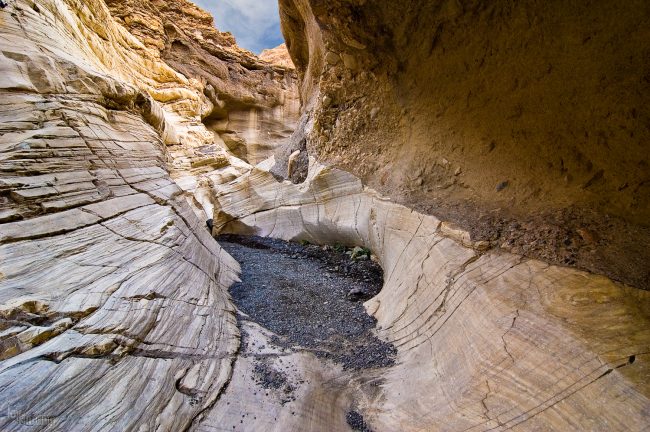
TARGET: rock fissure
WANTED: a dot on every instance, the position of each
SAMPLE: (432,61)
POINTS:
(503,336)
(215,398)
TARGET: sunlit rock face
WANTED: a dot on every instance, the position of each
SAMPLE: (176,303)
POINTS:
(278,55)
(526,123)
(253,106)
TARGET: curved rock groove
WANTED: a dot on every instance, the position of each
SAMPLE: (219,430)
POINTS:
(486,340)
(309,297)
(306,338)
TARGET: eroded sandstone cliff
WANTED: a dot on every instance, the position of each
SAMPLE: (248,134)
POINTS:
(527,123)
(278,55)
(95,325)
(253,105)
(113,294)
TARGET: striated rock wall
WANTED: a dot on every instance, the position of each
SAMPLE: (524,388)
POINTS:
(114,312)
(526,123)
(113,305)
(252,106)
(487,340)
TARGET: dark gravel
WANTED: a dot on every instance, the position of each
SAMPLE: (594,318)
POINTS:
(267,377)
(356,422)
(300,292)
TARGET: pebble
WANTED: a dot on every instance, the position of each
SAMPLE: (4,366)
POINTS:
(501,186)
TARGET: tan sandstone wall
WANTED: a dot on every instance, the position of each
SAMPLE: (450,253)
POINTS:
(114,312)
(525,122)
(253,105)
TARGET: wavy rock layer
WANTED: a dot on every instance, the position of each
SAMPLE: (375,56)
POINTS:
(114,313)
(487,340)
(114,309)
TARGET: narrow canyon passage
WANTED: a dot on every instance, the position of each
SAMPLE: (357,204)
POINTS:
(485,165)
(308,349)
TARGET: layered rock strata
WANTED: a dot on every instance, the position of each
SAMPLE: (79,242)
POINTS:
(252,106)
(114,312)
(487,340)
(278,56)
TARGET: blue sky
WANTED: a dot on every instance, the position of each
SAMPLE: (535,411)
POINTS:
(255,23)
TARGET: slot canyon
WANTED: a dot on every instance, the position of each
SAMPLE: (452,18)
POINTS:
(426,215)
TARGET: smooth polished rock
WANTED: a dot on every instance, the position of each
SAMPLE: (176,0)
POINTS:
(113,305)
(487,340)
(114,312)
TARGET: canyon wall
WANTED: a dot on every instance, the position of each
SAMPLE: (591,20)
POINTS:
(124,125)
(253,105)
(114,312)
(487,340)
(278,55)
(527,123)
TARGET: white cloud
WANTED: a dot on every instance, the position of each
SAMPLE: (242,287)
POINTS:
(255,23)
